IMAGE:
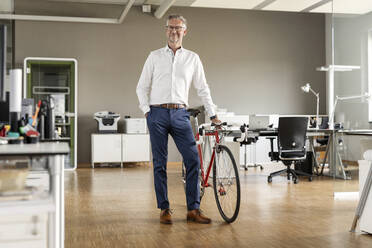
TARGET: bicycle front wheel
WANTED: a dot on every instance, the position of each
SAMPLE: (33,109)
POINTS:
(226,184)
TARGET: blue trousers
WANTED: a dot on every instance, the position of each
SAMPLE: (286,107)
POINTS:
(176,122)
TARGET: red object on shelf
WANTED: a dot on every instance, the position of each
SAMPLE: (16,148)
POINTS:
(32,133)
(3,132)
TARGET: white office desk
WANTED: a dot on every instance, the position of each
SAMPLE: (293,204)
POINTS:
(54,204)
(362,132)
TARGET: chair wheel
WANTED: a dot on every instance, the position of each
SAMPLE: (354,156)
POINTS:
(310,179)
(261,167)
(269,179)
(295,181)
(245,168)
(288,177)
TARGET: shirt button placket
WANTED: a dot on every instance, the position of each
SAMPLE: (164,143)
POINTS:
(173,77)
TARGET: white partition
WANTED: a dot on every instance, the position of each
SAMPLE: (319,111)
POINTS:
(366,218)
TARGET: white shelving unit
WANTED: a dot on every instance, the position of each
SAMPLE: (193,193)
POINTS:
(39,221)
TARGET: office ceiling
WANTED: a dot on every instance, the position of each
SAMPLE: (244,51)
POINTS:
(116,8)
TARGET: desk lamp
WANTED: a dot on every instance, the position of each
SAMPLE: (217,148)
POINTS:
(345,98)
(306,88)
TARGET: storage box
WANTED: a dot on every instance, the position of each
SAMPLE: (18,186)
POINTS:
(135,125)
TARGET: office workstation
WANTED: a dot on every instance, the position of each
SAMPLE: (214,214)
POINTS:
(291,79)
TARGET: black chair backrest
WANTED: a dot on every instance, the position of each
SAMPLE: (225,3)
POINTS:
(292,133)
(324,123)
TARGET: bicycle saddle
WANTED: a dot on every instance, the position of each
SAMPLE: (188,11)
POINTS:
(194,112)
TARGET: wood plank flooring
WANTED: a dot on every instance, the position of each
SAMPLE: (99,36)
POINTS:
(113,207)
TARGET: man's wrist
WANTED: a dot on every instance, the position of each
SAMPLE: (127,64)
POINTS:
(213,117)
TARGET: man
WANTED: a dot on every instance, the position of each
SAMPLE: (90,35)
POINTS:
(163,96)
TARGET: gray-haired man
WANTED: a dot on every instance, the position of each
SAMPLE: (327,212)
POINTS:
(162,91)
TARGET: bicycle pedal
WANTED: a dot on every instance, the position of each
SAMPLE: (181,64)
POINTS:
(222,191)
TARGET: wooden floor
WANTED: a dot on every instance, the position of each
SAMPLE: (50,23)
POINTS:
(113,207)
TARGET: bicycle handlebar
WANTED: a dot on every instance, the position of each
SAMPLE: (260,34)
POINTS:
(203,129)
(244,135)
(218,124)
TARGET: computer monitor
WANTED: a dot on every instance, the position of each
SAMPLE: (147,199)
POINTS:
(258,122)
(3,46)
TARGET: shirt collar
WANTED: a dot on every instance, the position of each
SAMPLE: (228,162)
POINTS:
(167,49)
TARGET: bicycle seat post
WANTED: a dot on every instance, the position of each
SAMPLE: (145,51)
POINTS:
(194,113)
(196,124)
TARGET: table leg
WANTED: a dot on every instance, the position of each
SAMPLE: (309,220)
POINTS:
(56,219)
(311,143)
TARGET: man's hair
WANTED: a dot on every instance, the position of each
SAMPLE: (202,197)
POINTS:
(179,17)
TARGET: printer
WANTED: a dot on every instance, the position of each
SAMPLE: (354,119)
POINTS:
(135,125)
(107,121)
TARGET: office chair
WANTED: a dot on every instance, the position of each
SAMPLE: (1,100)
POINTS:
(323,125)
(291,146)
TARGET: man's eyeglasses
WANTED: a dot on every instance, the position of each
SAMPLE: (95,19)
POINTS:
(177,28)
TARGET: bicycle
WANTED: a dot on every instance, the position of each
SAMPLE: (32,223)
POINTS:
(226,183)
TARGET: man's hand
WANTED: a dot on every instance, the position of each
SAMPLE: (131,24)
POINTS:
(216,120)
(147,114)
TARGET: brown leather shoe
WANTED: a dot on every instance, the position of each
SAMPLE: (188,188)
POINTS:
(165,216)
(196,216)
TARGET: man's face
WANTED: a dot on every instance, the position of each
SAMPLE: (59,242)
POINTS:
(175,31)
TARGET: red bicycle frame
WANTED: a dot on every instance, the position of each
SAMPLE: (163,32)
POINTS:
(205,177)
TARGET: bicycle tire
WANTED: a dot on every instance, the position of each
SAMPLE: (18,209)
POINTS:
(224,189)
(202,188)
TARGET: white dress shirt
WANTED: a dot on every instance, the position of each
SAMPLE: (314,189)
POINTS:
(166,78)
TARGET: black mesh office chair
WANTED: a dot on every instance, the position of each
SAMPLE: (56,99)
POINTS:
(291,146)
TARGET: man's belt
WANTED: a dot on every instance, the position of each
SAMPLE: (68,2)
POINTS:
(170,105)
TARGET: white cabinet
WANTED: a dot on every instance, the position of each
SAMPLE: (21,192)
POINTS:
(119,148)
(136,147)
(106,148)
(23,231)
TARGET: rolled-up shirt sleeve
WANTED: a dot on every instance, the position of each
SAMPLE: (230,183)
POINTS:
(202,88)
(144,85)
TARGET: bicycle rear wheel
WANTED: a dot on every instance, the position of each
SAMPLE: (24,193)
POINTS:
(226,184)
